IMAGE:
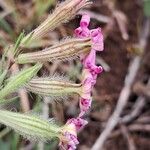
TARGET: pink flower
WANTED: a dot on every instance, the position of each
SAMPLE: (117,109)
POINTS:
(72,142)
(97,45)
(84,32)
(68,139)
(89,63)
(78,122)
(89,80)
(90,71)
(97,39)
(86,84)
(85,105)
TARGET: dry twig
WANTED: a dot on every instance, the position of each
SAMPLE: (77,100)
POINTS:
(21,92)
(137,108)
(141,89)
(98,17)
(128,137)
(133,128)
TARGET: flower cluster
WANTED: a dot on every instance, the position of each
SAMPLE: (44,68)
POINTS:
(84,45)
(89,74)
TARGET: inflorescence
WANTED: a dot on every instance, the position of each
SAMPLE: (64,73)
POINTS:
(89,74)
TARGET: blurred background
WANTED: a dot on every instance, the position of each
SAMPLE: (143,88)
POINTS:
(122,90)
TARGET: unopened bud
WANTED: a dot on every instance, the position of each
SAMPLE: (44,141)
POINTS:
(66,50)
(53,87)
(63,13)
(29,126)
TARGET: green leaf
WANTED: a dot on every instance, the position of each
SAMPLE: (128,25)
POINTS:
(19,80)
(6,102)
(6,27)
(4,145)
(14,141)
(147,8)
(27,39)
(18,42)
(2,77)
(41,6)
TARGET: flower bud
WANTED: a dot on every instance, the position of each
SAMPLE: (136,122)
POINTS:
(53,87)
(78,122)
(29,126)
(63,13)
(68,138)
(85,105)
(66,50)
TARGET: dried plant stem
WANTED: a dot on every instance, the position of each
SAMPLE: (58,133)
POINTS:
(58,113)
(141,89)
(140,127)
(105,66)
(24,101)
(137,108)
(128,137)
(133,128)
(125,93)
(98,17)
(45,113)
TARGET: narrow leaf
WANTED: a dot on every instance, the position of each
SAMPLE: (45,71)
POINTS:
(19,80)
